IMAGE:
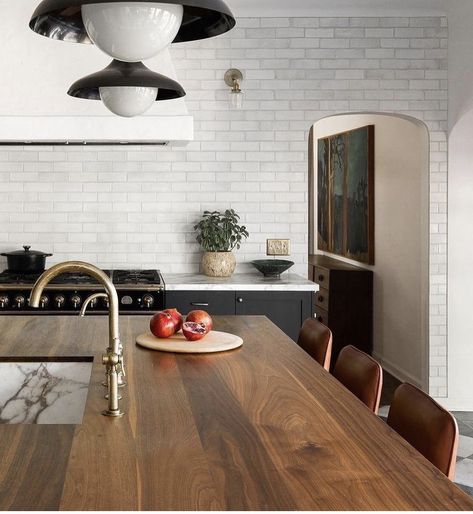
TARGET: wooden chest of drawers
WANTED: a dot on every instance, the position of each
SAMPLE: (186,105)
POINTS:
(344,302)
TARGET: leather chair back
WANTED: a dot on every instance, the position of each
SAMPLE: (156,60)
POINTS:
(361,374)
(316,340)
(426,425)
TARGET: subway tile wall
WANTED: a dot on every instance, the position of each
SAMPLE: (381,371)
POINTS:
(135,206)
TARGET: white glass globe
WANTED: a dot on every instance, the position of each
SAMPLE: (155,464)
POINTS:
(128,101)
(132,31)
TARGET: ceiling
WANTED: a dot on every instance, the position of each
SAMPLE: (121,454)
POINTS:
(276,8)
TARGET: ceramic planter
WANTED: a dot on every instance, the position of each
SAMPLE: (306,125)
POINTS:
(218,264)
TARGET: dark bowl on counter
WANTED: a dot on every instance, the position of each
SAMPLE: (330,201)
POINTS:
(272,268)
(26,260)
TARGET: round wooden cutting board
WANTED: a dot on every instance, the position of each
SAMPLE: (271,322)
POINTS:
(213,342)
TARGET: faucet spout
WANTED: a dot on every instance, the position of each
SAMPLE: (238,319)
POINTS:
(113,360)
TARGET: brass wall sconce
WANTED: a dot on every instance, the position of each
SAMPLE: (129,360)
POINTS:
(233,79)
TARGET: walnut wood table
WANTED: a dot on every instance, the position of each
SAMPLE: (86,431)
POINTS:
(261,427)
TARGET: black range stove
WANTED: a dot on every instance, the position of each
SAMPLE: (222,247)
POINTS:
(139,292)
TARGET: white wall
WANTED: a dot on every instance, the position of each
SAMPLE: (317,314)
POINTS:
(460,208)
(401,239)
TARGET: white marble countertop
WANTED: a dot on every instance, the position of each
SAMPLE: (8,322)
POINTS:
(237,282)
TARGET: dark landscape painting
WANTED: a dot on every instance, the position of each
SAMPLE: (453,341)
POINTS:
(345,194)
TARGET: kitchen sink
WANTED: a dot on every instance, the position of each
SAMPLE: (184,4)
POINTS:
(44,391)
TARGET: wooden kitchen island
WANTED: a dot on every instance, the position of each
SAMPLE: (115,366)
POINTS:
(259,428)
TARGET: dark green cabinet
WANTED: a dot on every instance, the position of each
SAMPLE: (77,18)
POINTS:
(286,309)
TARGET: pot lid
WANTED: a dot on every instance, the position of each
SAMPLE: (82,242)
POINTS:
(26,251)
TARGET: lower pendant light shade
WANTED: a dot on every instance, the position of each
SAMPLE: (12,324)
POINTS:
(126,89)
(63,20)
(128,102)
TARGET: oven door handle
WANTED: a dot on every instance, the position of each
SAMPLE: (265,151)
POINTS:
(199,304)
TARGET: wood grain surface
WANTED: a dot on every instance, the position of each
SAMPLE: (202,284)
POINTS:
(262,427)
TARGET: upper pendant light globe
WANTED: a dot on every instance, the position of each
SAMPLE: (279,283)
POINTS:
(132,31)
(128,101)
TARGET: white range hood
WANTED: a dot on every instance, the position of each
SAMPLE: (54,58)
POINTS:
(36,74)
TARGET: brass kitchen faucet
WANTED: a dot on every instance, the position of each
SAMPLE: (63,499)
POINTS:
(113,358)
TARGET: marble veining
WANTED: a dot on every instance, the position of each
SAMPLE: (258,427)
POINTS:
(237,282)
(43,392)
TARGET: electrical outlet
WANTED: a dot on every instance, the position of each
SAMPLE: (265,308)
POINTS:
(277,246)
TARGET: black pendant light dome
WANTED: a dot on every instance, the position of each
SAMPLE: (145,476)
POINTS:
(126,89)
(125,74)
(62,19)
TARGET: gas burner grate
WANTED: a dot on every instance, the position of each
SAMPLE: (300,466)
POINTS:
(9,277)
(119,278)
(136,277)
(76,279)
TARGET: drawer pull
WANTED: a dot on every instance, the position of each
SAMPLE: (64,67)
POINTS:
(320,319)
(240,300)
(199,304)
(321,278)
(321,299)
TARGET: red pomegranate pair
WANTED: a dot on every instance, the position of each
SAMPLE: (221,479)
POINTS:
(165,324)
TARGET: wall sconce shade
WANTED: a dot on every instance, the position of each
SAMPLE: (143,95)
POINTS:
(233,79)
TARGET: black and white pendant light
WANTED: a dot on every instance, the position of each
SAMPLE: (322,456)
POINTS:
(126,89)
(131,30)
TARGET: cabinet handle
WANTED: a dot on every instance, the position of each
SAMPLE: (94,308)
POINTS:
(320,319)
(321,278)
(199,304)
(240,300)
(321,299)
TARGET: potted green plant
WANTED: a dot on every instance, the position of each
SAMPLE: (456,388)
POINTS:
(218,234)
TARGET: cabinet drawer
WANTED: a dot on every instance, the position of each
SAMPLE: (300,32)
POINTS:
(214,302)
(321,315)
(322,276)
(321,298)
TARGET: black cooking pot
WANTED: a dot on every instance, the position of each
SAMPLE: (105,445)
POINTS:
(26,260)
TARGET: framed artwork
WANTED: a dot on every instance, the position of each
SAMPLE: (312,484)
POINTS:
(345,194)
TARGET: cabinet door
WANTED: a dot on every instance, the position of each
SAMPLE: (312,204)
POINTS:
(214,302)
(287,310)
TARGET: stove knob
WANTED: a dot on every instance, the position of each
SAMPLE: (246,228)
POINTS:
(43,302)
(127,300)
(59,300)
(4,301)
(20,301)
(106,302)
(148,300)
(76,301)
(93,303)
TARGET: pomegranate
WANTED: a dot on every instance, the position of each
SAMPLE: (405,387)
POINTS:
(176,318)
(162,325)
(194,331)
(201,317)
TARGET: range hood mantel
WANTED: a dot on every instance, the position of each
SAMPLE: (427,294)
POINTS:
(105,130)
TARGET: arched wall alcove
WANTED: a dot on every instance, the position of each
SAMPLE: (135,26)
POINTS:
(401,269)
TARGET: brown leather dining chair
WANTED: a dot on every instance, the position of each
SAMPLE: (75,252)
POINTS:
(426,425)
(316,340)
(361,375)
